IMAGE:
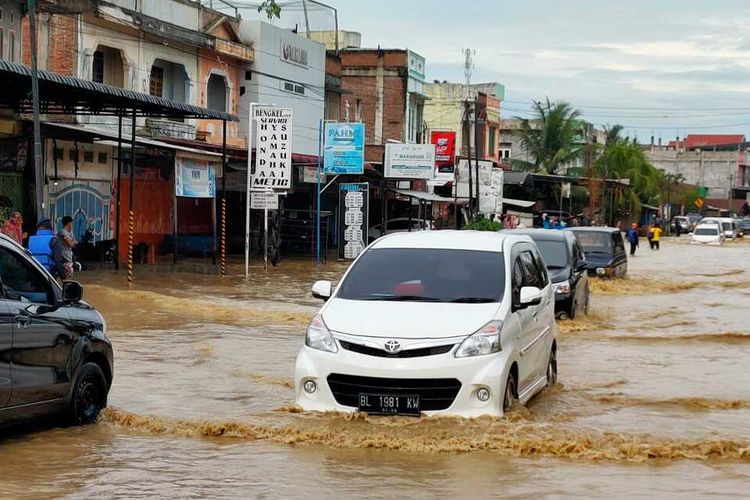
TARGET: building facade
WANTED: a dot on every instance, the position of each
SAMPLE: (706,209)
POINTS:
(288,71)
(449,103)
(383,88)
(11,40)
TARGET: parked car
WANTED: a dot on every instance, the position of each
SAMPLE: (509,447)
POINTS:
(55,358)
(745,226)
(398,225)
(739,229)
(604,250)
(726,224)
(709,233)
(432,322)
(683,222)
(566,266)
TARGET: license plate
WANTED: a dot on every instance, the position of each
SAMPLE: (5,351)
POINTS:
(389,404)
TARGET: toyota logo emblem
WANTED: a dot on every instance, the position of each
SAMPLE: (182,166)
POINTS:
(392,346)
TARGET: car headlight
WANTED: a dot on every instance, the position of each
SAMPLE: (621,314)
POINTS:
(563,287)
(319,336)
(484,341)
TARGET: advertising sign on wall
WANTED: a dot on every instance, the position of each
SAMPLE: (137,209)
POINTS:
(344,148)
(194,179)
(445,150)
(491,194)
(354,203)
(462,176)
(409,161)
(273,150)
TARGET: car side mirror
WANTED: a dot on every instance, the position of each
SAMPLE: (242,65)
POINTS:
(530,296)
(321,290)
(581,265)
(72,292)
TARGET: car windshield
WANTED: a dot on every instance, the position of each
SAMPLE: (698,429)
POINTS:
(745,224)
(555,253)
(726,226)
(593,242)
(426,275)
(706,231)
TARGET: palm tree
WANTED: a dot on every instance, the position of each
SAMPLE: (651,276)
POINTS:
(551,139)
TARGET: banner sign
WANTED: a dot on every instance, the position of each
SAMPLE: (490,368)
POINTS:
(491,194)
(309,175)
(461,185)
(194,179)
(264,201)
(445,150)
(409,161)
(344,148)
(273,150)
(353,209)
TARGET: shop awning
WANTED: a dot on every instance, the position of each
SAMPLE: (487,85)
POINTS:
(421,195)
(109,138)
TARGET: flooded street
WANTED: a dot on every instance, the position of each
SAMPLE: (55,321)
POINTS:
(653,398)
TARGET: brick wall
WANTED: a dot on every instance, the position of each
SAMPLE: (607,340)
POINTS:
(62,43)
(363,87)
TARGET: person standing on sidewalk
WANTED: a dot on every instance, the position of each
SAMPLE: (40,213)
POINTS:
(63,249)
(13,228)
(655,236)
(632,236)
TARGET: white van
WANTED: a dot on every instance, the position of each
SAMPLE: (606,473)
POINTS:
(725,223)
(708,234)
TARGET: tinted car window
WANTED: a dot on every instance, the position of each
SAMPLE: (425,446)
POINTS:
(592,241)
(532,276)
(20,280)
(426,274)
(555,253)
(706,231)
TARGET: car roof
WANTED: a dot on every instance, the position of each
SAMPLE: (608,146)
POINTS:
(488,241)
(593,229)
(708,224)
(541,234)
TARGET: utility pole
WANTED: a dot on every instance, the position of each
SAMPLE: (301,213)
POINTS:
(468,68)
(38,167)
(476,145)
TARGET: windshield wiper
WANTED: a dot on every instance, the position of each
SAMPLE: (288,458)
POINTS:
(472,300)
(403,298)
(555,267)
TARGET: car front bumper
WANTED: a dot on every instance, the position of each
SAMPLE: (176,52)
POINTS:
(473,373)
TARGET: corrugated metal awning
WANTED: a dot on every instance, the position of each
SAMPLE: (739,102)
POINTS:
(61,94)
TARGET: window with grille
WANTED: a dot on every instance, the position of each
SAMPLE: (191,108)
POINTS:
(156,82)
(102,158)
(88,156)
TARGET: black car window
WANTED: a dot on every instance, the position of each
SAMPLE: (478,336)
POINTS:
(532,277)
(541,269)
(555,253)
(20,280)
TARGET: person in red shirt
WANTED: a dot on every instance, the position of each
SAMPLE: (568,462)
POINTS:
(13,228)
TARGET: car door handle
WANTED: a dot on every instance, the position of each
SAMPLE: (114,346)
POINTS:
(22,320)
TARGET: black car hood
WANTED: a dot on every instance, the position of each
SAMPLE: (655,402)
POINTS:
(558,275)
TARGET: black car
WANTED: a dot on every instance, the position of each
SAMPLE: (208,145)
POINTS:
(604,249)
(55,359)
(566,266)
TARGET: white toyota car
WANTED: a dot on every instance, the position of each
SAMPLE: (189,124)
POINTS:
(433,322)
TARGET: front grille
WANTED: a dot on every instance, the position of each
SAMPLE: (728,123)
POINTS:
(434,393)
(407,353)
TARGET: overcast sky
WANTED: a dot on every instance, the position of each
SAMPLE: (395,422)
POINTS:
(658,67)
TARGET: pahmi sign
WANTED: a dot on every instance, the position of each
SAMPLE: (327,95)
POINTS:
(293,54)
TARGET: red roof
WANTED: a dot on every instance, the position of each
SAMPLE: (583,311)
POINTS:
(708,140)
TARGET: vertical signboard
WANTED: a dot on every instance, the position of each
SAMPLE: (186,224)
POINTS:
(194,179)
(273,148)
(353,223)
(409,161)
(344,148)
(491,193)
(445,153)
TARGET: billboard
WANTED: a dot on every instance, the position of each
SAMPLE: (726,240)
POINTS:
(445,150)
(194,179)
(344,148)
(273,149)
(354,206)
(409,161)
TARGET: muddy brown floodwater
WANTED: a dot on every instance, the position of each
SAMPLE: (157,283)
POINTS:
(654,399)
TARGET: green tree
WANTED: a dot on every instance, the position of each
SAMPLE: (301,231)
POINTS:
(551,139)
(271,9)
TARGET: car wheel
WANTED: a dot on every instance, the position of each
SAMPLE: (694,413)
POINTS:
(563,315)
(552,368)
(509,398)
(89,395)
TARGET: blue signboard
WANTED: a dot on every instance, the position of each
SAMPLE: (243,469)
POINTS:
(194,179)
(344,148)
